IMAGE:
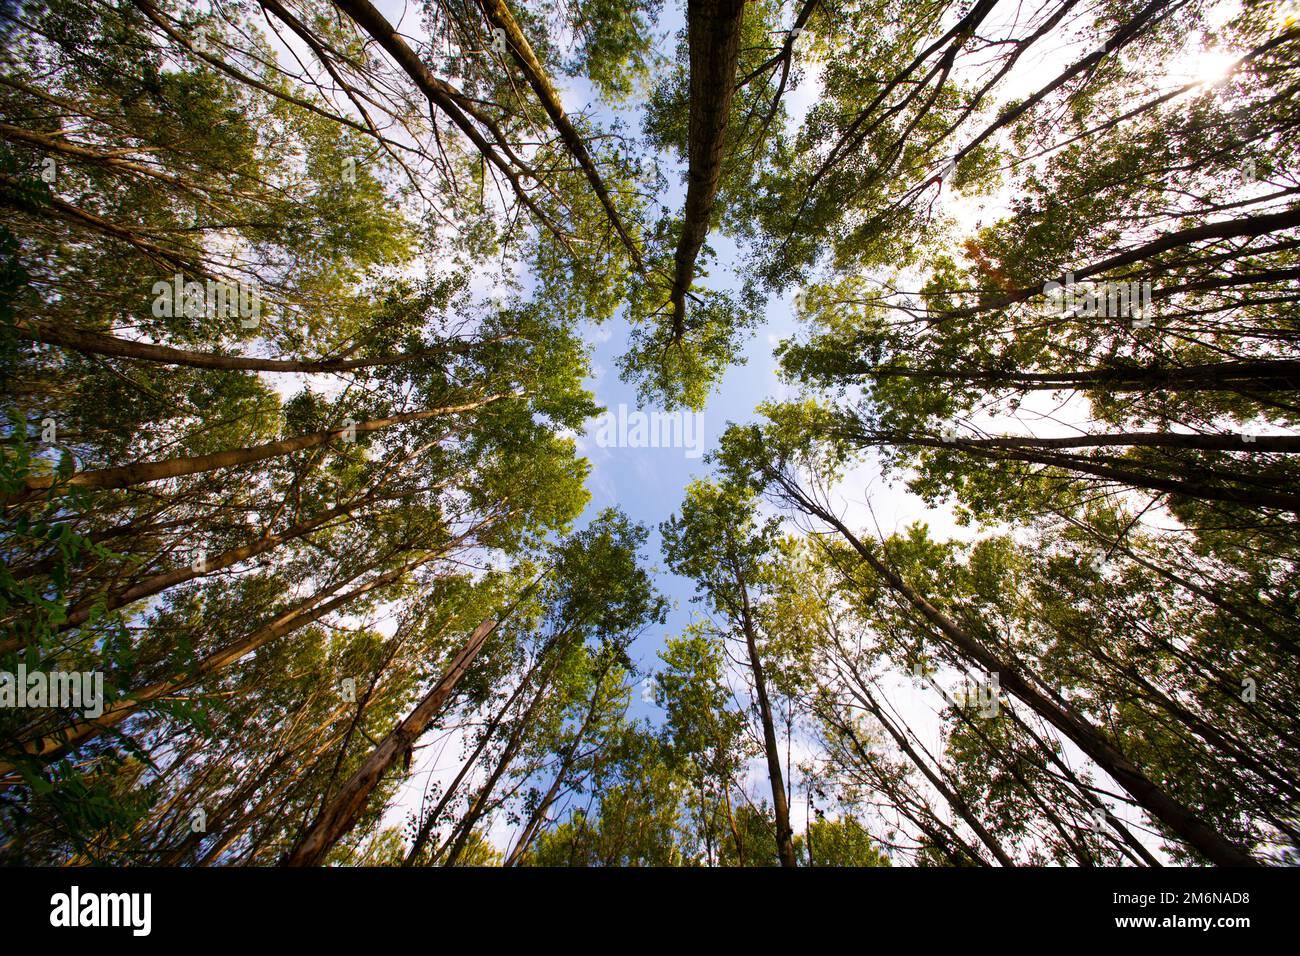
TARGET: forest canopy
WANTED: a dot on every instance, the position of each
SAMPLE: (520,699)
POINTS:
(300,303)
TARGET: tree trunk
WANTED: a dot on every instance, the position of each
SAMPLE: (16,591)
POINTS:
(1285,444)
(97,343)
(535,819)
(714,32)
(780,807)
(1189,488)
(731,825)
(1262,375)
(345,809)
(498,13)
(954,799)
(441,95)
(1245,226)
(427,825)
(1172,813)
(158,583)
(479,805)
(123,476)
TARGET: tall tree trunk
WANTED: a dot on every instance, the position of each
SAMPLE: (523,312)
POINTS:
(1163,807)
(48,563)
(158,583)
(951,796)
(731,825)
(780,806)
(97,343)
(1257,375)
(1254,497)
(345,809)
(431,820)
(229,808)
(458,109)
(1068,774)
(1244,226)
(534,823)
(714,36)
(498,13)
(479,805)
(237,829)
(937,830)
(1285,444)
(123,476)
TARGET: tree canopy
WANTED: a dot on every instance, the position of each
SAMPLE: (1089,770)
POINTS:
(299,302)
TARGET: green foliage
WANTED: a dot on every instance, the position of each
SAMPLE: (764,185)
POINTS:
(267,595)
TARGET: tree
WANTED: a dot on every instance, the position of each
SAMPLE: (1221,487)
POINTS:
(719,543)
(296,312)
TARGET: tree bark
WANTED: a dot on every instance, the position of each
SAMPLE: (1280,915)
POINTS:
(479,805)
(440,94)
(780,806)
(97,343)
(1245,226)
(533,825)
(714,36)
(1282,444)
(498,13)
(427,825)
(123,476)
(1016,449)
(346,808)
(1258,375)
(953,798)
(1163,807)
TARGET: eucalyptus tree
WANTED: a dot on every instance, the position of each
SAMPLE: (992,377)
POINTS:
(636,815)
(595,599)
(290,302)
(720,542)
(341,813)
(570,756)
(1011,798)
(1133,286)
(770,459)
(705,738)
(718,109)
(169,511)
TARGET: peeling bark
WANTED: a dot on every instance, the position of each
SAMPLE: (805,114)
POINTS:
(714,30)
(345,809)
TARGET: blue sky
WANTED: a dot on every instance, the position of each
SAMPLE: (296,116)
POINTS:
(648,484)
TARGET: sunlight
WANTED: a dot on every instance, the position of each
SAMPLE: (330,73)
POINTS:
(1210,67)
(1202,67)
